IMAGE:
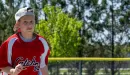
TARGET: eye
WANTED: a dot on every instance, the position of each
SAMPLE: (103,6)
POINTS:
(25,22)
(31,22)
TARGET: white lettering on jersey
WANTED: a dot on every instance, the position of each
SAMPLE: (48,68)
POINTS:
(26,62)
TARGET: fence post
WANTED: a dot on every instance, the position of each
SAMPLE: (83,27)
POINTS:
(80,67)
(57,68)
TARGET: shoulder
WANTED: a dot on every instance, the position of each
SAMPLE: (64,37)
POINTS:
(43,41)
(11,39)
(41,38)
(8,43)
(14,36)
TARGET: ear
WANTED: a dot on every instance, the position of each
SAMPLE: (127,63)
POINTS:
(16,26)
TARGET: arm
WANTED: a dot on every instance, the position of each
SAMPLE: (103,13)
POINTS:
(13,71)
(44,70)
(8,70)
(43,66)
(4,65)
(44,57)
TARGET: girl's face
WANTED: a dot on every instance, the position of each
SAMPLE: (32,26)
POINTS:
(27,24)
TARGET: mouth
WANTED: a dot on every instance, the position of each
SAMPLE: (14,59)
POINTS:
(29,29)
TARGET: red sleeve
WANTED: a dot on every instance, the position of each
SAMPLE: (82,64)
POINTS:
(46,59)
(45,52)
(3,55)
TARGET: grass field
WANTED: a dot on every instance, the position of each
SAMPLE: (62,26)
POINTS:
(64,71)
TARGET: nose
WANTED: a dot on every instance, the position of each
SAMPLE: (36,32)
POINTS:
(30,25)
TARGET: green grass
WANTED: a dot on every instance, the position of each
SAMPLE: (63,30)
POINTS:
(99,72)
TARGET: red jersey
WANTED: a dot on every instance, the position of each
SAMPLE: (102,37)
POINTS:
(33,55)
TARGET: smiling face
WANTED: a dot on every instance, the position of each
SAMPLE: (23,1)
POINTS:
(27,24)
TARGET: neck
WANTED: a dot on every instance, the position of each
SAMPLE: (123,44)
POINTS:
(27,36)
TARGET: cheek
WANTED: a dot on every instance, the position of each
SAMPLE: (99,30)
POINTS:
(33,26)
(22,27)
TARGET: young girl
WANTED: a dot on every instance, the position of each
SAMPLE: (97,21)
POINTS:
(24,53)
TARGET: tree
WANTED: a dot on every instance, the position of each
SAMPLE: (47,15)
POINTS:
(61,32)
(7,21)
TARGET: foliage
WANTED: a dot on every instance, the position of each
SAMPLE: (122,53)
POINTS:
(61,31)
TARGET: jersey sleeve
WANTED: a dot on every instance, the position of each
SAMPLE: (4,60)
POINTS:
(46,58)
(4,55)
(45,54)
